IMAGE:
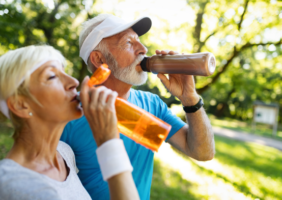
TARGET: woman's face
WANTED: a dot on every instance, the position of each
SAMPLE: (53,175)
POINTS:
(56,92)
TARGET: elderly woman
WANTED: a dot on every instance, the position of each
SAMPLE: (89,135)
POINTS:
(40,99)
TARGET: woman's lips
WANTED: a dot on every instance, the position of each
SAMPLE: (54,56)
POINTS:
(74,98)
(77,97)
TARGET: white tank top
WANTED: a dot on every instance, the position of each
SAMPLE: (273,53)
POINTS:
(18,182)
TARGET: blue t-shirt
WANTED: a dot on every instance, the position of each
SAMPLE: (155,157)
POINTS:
(79,136)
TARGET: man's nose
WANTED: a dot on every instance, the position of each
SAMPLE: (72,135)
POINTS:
(141,49)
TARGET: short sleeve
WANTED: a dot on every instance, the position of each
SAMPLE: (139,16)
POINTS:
(67,153)
(166,115)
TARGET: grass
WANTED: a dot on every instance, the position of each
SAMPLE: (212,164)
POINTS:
(233,124)
(238,171)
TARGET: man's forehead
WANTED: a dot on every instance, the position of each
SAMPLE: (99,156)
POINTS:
(125,33)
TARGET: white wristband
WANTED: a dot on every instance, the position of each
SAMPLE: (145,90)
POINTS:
(113,158)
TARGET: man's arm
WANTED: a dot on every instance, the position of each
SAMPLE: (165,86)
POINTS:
(196,138)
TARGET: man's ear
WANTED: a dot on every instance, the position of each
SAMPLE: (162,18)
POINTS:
(97,58)
(19,106)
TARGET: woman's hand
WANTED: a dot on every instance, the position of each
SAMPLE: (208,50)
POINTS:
(99,110)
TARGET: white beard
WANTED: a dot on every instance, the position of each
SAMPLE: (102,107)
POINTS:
(128,74)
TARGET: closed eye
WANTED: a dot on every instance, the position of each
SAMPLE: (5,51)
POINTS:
(51,77)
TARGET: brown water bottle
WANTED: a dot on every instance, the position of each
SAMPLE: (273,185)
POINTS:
(201,64)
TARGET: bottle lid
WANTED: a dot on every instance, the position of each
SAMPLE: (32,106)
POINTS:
(211,64)
(143,64)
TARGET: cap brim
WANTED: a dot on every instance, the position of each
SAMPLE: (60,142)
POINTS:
(142,26)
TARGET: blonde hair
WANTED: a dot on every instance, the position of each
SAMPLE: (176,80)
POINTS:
(87,27)
(17,65)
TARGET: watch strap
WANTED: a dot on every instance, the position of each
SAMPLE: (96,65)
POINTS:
(192,109)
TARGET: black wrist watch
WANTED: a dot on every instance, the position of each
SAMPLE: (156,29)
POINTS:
(192,109)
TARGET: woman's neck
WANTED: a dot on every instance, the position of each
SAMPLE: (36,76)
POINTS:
(36,146)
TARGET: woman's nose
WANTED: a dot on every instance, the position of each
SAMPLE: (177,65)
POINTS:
(72,83)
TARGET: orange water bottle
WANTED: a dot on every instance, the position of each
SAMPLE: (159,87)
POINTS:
(134,122)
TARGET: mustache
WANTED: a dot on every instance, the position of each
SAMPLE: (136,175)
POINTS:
(137,61)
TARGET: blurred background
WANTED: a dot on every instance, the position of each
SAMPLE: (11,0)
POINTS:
(246,38)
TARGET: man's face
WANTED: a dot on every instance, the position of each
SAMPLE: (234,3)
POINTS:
(124,57)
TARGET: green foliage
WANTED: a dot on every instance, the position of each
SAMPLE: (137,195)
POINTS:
(31,23)
(6,140)
(245,36)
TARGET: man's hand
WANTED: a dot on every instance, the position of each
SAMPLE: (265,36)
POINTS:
(99,110)
(196,138)
(180,85)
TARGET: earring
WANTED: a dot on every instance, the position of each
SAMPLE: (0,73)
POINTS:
(30,113)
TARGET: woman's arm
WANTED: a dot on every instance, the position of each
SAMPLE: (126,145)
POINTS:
(122,187)
(99,109)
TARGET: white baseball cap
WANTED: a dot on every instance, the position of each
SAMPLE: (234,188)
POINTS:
(110,26)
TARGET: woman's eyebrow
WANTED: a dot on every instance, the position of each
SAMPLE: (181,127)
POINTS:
(46,67)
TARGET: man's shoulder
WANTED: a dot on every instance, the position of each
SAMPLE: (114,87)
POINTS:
(144,95)
(77,125)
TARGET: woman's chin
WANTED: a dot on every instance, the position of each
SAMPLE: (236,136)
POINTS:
(78,112)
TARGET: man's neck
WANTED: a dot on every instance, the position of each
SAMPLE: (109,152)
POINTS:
(122,88)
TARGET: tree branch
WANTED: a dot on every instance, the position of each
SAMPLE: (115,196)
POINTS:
(198,27)
(54,12)
(243,14)
(48,30)
(201,44)
(235,54)
(222,70)
(248,45)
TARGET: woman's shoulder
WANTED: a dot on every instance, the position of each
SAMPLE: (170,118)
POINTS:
(64,147)
(17,182)
(9,168)
(67,153)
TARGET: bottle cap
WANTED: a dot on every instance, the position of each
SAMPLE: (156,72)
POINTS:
(143,64)
(211,64)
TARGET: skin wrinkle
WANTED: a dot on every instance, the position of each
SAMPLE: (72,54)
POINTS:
(195,139)
(36,146)
(127,74)
(201,142)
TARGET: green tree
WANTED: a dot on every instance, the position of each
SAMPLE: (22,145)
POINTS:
(32,22)
(246,38)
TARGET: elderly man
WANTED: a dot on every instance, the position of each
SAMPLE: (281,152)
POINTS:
(108,39)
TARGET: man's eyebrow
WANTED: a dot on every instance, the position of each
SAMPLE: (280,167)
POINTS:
(128,36)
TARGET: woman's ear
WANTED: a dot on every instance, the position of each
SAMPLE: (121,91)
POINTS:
(97,58)
(19,106)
